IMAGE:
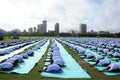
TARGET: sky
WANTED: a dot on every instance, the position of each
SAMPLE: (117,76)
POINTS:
(97,14)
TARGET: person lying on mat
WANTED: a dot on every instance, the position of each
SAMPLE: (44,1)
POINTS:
(6,66)
(55,48)
(109,54)
(30,53)
(52,55)
(19,57)
(55,52)
(105,51)
(52,68)
(25,55)
(116,55)
(14,61)
(58,60)
(88,55)
(3,52)
(102,62)
(115,67)
(81,51)
(99,49)
(97,58)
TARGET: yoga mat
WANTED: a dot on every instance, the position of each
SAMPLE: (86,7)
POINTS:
(100,67)
(16,52)
(10,46)
(27,66)
(72,69)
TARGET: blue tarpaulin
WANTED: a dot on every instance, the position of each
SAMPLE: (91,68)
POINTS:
(72,69)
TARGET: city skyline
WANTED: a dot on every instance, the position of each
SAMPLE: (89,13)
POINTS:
(99,15)
(42,28)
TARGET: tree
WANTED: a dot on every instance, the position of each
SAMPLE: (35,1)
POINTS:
(2,34)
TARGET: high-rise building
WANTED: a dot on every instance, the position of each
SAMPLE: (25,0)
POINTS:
(83,28)
(30,30)
(57,28)
(44,26)
(34,29)
(40,28)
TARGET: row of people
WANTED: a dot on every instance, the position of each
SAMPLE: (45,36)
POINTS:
(98,59)
(39,45)
(14,61)
(55,60)
(103,51)
(94,43)
(17,42)
(16,47)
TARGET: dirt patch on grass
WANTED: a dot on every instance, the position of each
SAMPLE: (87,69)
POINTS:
(82,62)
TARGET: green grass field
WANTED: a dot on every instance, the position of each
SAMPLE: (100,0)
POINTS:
(20,38)
(10,39)
(35,75)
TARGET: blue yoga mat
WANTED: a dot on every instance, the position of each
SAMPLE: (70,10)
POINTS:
(72,69)
(101,67)
(27,66)
(15,52)
(9,47)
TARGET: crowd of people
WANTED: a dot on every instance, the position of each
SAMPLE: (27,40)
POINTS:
(14,61)
(107,51)
(55,60)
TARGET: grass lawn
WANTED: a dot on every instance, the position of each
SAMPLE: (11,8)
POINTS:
(35,75)
(10,39)
(20,38)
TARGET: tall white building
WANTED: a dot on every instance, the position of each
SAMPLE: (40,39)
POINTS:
(30,30)
(57,28)
(44,26)
(83,28)
(34,29)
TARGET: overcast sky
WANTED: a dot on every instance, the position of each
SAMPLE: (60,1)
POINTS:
(97,14)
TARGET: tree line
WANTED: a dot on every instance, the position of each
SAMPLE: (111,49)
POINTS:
(52,34)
